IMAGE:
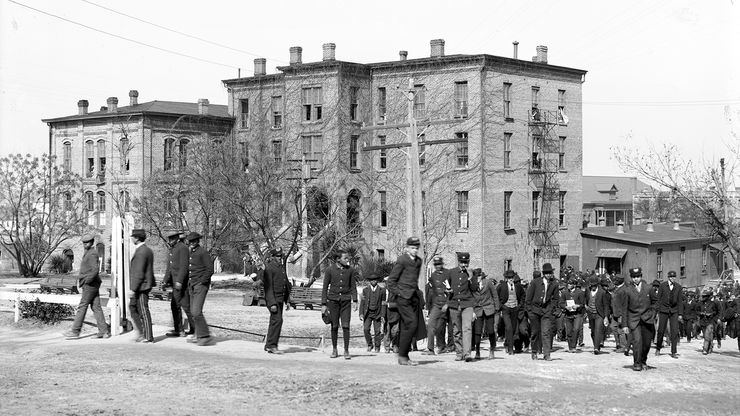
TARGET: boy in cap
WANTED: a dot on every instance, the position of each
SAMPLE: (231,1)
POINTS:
(572,300)
(462,306)
(670,312)
(338,294)
(200,271)
(142,281)
(708,312)
(436,305)
(372,310)
(90,282)
(403,283)
(176,276)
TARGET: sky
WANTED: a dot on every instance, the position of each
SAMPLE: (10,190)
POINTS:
(658,71)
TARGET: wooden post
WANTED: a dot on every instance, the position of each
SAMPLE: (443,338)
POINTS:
(17,307)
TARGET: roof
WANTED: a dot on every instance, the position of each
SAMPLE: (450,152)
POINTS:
(596,189)
(664,233)
(152,107)
(612,253)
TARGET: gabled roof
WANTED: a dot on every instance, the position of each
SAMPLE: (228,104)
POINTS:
(664,233)
(174,108)
(598,188)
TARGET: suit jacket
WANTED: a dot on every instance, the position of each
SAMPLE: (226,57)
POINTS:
(340,283)
(486,298)
(435,291)
(603,302)
(367,304)
(276,284)
(540,300)
(177,265)
(638,306)
(577,296)
(89,268)
(142,269)
(200,265)
(618,299)
(503,293)
(670,301)
(403,280)
(463,286)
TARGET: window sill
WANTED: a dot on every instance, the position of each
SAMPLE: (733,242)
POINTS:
(462,168)
(311,121)
(563,171)
(355,170)
(509,119)
(276,128)
(462,230)
(563,227)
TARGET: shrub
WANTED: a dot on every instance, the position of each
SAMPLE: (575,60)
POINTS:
(57,263)
(370,265)
(48,313)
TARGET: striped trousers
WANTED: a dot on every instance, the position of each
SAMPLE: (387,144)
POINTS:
(138,307)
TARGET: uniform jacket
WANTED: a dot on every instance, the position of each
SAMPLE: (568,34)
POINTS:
(89,268)
(340,283)
(670,301)
(638,306)
(463,286)
(708,311)
(276,284)
(368,304)
(435,291)
(618,299)
(142,269)
(177,265)
(486,298)
(576,296)
(503,293)
(403,280)
(200,265)
(603,302)
(689,309)
(539,300)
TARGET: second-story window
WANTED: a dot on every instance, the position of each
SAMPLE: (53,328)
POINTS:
(383,161)
(67,156)
(383,208)
(169,147)
(507,210)
(535,209)
(313,148)
(507,100)
(277,112)
(561,155)
(561,209)
(184,153)
(381,104)
(462,209)
(101,158)
(461,99)
(312,99)
(420,101)
(244,113)
(461,150)
(277,151)
(354,103)
(89,158)
(353,152)
(123,151)
(507,150)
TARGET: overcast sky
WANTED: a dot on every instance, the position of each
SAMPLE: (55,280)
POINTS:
(658,71)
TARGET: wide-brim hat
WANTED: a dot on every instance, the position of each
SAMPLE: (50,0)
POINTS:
(509,274)
(175,234)
(374,277)
(193,236)
(138,232)
(547,268)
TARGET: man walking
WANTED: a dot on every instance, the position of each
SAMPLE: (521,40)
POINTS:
(617,304)
(176,276)
(572,301)
(372,313)
(90,282)
(200,272)
(598,308)
(542,296)
(436,304)
(338,295)
(670,311)
(511,297)
(462,306)
(142,281)
(638,317)
(277,291)
(486,309)
(403,283)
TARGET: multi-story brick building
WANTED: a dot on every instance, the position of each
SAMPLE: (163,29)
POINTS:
(116,148)
(506,188)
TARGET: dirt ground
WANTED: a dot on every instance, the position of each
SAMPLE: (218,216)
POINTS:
(44,374)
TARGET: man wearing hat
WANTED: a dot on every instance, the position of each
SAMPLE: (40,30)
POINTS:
(338,294)
(511,296)
(572,301)
(436,305)
(142,281)
(638,316)
(708,311)
(617,305)
(403,283)
(90,282)
(462,306)
(670,312)
(176,276)
(277,291)
(486,310)
(372,310)
(542,297)
(598,307)
(200,270)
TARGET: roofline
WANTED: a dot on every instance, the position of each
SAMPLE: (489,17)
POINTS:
(136,113)
(626,238)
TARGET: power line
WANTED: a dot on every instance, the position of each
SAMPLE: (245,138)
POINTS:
(123,37)
(221,45)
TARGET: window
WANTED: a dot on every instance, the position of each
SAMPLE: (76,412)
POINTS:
(383,155)
(169,202)
(381,253)
(67,156)
(420,106)
(683,262)
(123,149)
(89,201)
(507,210)
(244,113)
(354,103)
(169,144)
(353,152)
(536,146)
(461,99)
(423,211)
(184,153)
(277,112)
(277,151)
(381,104)
(354,227)
(312,98)
(561,209)
(274,209)
(422,151)
(313,148)
(383,209)
(536,104)
(507,100)
(101,158)
(561,155)
(659,262)
(125,201)
(462,209)
(461,150)
(704,259)
(561,107)
(507,150)
(535,209)
(536,258)
(101,201)
(90,157)
(507,264)
(67,201)
(182,202)
(244,155)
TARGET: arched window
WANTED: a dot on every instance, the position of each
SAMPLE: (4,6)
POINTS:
(184,153)
(101,201)
(354,228)
(89,201)
(123,150)
(68,201)
(169,144)
(101,157)
(89,159)
(125,201)
(67,156)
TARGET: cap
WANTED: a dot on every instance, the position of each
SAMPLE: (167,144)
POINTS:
(605,281)
(138,232)
(656,282)
(671,274)
(509,274)
(373,277)
(536,274)
(438,260)
(635,272)
(618,279)
(276,252)
(194,236)
(547,268)
(88,237)
(413,241)
(176,234)
(593,281)
(463,257)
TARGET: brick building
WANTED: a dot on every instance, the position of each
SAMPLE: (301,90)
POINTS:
(116,148)
(508,189)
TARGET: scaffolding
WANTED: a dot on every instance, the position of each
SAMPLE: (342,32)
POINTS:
(544,166)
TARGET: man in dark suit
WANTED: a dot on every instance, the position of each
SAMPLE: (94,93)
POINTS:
(638,317)
(403,283)
(598,308)
(176,276)
(462,306)
(338,294)
(542,297)
(617,305)
(436,304)
(200,271)
(511,297)
(372,311)
(90,282)
(572,301)
(142,281)
(670,311)
(277,291)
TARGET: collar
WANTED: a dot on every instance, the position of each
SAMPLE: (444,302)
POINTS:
(139,244)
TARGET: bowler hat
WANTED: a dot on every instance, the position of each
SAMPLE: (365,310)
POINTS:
(605,281)
(536,274)
(635,272)
(194,236)
(547,268)
(413,241)
(671,274)
(593,281)
(463,257)
(438,260)
(509,274)
(138,232)
(88,237)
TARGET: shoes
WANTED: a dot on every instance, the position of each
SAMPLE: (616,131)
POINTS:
(334,353)
(377,349)
(193,340)
(477,355)
(442,350)
(273,350)
(534,356)
(369,348)
(490,355)
(387,350)
(428,352)
(618,350)
(206,341)
(458,357)
(104,335)
(547,358)
(143,340)
(674,355)
(346,355)
(657,353)
(626,353)
(71,334)
(704,352)
(174,333)
(597,352)
(581,345)
(395,349)
(468,358)
(637,367)
(407,361)
(572,350)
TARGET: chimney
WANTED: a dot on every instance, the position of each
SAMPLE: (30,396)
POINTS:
(516,49)
(329,49)
(82,107)
(620,227)
(541,54)
(438,48)
(260,66)
(602,221)
(675,225)
(296,55)
(133,98)
(112,104)
(402,55)
(103,108)
(649,228)
(203,106)
(638,219)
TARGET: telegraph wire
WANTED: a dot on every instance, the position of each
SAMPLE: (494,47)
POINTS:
(125,38)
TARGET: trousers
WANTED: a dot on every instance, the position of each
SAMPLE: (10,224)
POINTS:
(181,301)
(138,307)
(90,297)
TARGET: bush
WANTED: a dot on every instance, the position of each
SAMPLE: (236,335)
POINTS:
(370,265)
(48,313)
(57,263)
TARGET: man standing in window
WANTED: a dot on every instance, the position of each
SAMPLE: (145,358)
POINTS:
(338,294)
(670,311)
(142,281)
(200,272)
(403,283)
(176,276)
(90,282)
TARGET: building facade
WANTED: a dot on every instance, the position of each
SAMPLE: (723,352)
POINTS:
(609,199)
(506,186)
